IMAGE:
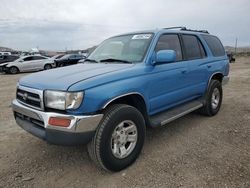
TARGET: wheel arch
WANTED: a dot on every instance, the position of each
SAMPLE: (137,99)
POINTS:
(47,64)
(215,76)
(134,99)
(18,69)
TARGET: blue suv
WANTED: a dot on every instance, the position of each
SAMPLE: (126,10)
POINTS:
(130,82)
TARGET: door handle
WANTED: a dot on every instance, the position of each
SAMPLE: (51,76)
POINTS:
(209,66)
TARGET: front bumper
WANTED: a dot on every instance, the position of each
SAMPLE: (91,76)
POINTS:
(80,130)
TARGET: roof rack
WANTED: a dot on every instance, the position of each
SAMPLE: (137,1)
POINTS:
(180,27)
(185,29)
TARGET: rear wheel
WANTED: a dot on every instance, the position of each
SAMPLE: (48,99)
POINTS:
(213,99)
(13,70)
(119,138)
(47,67)
(61,65)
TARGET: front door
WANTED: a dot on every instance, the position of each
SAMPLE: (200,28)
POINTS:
(168,82)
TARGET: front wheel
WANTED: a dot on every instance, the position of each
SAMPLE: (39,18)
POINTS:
(47,67)
(119,138)
(13,70)
(213,99)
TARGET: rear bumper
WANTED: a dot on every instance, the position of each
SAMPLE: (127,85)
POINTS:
(225,80)
(80,130)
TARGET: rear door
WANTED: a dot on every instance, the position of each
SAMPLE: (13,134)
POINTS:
(196,58)
(38,63)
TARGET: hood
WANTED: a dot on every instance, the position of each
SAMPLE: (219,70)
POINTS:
(12,63)
(63,78)
(4,64)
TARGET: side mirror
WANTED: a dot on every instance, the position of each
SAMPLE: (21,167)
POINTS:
(165,56)
(21,60)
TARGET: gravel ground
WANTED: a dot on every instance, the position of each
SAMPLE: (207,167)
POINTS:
(194,151)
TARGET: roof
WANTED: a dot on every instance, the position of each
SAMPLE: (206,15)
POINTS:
(170,30)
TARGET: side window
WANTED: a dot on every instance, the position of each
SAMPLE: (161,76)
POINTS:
(170,42)
(28,59)
(38,57)
(193,47)
(203,53)
(215,45)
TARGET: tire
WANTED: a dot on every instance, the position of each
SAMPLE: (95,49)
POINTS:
(102,147)
(47,67)
(61,65)
(13,70)
(213,99)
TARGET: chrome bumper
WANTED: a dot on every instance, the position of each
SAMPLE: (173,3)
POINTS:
(79,124)
(225,80)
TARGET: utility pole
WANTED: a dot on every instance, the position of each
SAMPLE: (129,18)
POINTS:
(235,48)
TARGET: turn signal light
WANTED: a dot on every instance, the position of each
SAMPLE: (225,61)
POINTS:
(60,122)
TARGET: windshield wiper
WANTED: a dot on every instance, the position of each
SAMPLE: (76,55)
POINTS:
(91,60)
(115,60)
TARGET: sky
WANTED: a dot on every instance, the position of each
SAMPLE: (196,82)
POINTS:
(79,24)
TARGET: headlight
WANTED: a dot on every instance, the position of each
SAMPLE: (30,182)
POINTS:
(63,100)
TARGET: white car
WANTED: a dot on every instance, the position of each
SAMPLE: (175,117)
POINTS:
(28,63)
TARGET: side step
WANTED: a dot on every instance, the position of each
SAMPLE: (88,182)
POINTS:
(175,113)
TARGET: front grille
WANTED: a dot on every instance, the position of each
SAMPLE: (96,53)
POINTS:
(29,98)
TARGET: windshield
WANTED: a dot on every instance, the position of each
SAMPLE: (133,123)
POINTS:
(65,56)
(19,59)
(130,48)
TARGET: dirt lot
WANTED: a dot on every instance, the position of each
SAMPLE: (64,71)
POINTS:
(194,151)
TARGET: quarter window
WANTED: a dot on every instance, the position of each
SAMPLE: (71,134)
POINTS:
(215,45)
(193,47)
(170,42)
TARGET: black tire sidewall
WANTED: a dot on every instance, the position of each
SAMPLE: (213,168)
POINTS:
(214,84)
(109,160)
(47,65)
(15,68)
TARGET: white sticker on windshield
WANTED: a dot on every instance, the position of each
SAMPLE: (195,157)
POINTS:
(141,36)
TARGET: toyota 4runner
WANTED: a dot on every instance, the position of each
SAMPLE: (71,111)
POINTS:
(130,82)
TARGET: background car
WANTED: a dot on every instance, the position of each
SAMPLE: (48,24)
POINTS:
(50,63)
(7,58)
(82,60)
(27,64)
(231,57)
(69,59)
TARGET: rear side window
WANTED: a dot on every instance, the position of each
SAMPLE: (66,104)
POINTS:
(193,47)
(38,57)
(215,45)
(170,42)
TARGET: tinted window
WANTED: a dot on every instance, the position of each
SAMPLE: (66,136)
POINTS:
(193,47)
(215,45)
(72,56)
(38,57)
(170,42)
(28,59)
(78,56)
(203,53)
